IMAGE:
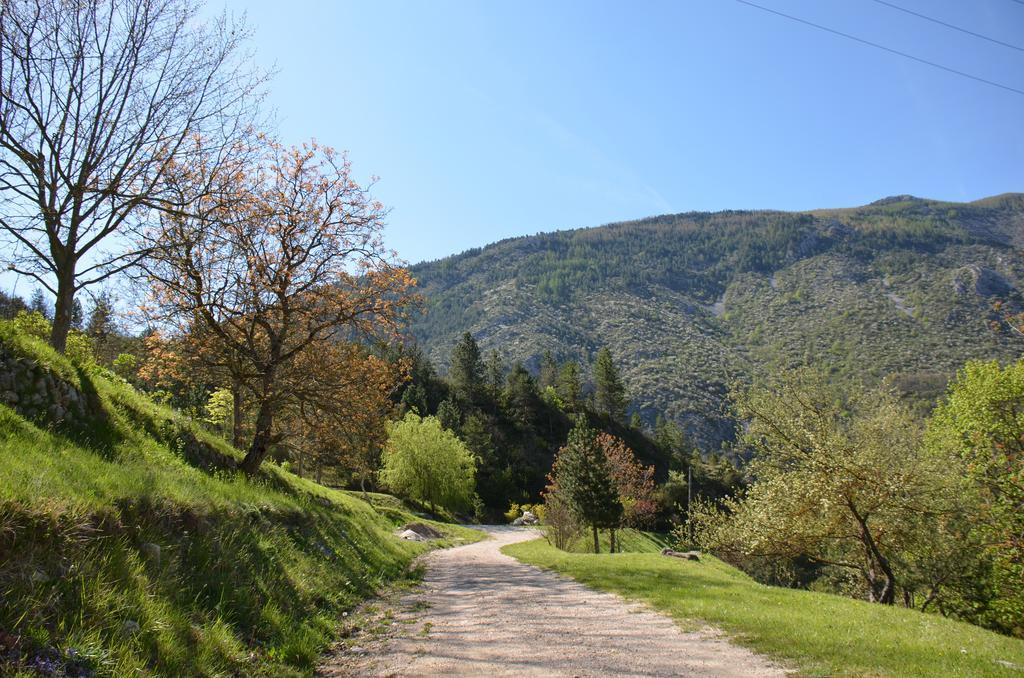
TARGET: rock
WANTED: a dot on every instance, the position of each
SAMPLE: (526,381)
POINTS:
(130,627)
(152,553)
(424,530)
(529,518)
(518,522)
(685,555)
(411,536)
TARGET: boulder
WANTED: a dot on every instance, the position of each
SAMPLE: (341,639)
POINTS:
(410,535)
(424,530)
(529,518)
(519,522)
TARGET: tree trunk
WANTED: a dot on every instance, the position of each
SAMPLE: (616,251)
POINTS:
(884,592)
(62,312)
(597,544)
(261,439)
(236,415)
(612,544)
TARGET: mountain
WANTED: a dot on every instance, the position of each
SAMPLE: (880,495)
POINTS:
(901,289)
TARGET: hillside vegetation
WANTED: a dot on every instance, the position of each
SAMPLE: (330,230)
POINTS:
(903,288)
(818,633)
(128,542)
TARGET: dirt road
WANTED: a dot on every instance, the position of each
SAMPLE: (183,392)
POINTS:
(482,613)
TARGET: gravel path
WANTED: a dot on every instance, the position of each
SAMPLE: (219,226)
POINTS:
(480,612)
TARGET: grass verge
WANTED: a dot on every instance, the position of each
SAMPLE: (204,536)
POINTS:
(818,633)
(121,554)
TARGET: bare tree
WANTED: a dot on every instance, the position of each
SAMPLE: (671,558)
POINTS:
(97,99)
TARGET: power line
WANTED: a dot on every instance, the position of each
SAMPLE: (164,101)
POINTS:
(884,48)
(948,25)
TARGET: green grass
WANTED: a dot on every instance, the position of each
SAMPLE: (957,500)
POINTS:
(627,540)
(253,574)
(817,633)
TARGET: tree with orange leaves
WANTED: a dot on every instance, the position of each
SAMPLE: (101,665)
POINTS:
(633,480)
(282,259)
(342,400)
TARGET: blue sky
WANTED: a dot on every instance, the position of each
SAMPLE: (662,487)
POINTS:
(491,119)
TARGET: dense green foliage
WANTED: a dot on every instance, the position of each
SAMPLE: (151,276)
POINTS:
(820,634)
(609,391)
(901,289)
(129,545)
(581,474)
(982,422)
(511,426)
(842,481)
(426,462)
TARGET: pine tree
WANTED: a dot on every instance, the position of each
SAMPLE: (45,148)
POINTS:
(77,314)
(671,440)
(570,388)
(610,393)
(101,318)
(495,373)
(414,399)
(449,415)
(466,373)
(581,471)
(521,396)
(39,304)
(548,371)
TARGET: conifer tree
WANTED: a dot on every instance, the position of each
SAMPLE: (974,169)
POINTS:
(449,415)
(610,393)
(548,377)
(570,387)
(466,373)
(39,304)
(495,373)
(581,471)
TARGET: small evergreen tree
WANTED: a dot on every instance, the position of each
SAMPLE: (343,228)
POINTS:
(581,473)
(77,315)
(570,387)
(466,372)
(494,373)
(521,396)
(610,393)
(548,377)
(39,304)
(100,324)
(449,414)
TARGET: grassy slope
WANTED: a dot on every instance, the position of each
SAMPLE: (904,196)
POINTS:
(820,634)
(252,575)
(627,540)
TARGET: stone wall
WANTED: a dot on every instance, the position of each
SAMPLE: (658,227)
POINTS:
(37,393)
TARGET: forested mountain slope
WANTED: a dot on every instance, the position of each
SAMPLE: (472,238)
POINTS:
(903,288)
